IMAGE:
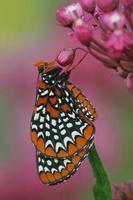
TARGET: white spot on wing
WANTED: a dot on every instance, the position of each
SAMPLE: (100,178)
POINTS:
(59,145)
(34,126)
(66,140)
(36,116)
(40,168)
(42,119)
(40,134)
(74,134)
(60,168)
(44,93)
(49,142)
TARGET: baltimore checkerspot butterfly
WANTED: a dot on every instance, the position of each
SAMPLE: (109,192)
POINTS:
(62,129)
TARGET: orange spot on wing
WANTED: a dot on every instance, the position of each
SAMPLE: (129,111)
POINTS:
(57,175)
(88,132)
(50,152)
(82,152)
(41,101)
(70,86)
(40,145)
(34,137)
(80,142)
(70,167)
(53,100)
(64,172)
(81,98)
(50,177)
(42,85)
(58,92)
(62,153)
(43,177)
(72,149)
(65,107)
(53,112)
(76,160)
(76,92)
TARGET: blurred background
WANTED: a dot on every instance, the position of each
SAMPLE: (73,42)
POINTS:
(29,32)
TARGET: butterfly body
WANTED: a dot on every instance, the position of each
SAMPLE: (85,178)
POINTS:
(61,127)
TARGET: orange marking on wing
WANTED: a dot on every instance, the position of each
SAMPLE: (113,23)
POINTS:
(42,85)
(72,149)
(43,177)
(70,167)
(50,152)
(85,103)
(50,177)
(58,92)
(53,112)
(76,92)
(88,132)
(70,86)
(62,153)
(40,145)
(65,107)
(76,160)
(34,137)
(57,175)
(41,100)
(80,142)
(82,152)
(53,100)
(64,172)
(81,98)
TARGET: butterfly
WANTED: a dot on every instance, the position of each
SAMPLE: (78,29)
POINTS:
(62,128)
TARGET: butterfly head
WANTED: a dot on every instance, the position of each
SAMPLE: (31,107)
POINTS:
(44,67)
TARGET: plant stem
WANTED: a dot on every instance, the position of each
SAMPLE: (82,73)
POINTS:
(102,187)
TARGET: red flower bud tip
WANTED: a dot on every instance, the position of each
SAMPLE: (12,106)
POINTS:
(67,15)
(130,82)
(88,5)
(107,5)
(82,31)
(66,57)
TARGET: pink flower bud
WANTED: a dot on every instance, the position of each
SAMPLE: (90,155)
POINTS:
(88,5)
(107,5)
(63,17)
(130,82)
(66,57)
(67,15)
(82,31)
(114,20)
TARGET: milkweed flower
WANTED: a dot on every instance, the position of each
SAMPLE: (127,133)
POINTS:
(67,15)
(82,31)
(88,5)
(124,191)
(105,28)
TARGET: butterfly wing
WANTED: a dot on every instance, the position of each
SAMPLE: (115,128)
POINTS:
(59,127)
(56,170)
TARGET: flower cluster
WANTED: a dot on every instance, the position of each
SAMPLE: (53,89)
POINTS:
(123,192)
(105,28)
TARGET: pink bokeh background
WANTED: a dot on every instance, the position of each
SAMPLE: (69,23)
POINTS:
(107,91)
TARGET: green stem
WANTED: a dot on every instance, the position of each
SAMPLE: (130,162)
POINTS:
(102,187)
